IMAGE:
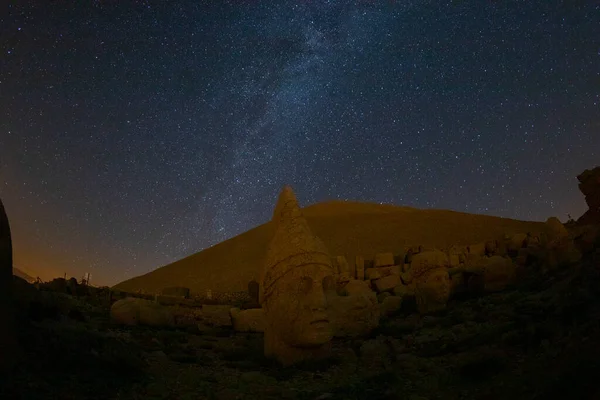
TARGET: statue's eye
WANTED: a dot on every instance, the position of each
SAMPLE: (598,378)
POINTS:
(305,284)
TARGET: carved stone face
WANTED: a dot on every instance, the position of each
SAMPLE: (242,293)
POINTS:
(296,311)
(433,290)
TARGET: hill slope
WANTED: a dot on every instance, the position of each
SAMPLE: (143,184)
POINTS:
(347,228)
(23,275)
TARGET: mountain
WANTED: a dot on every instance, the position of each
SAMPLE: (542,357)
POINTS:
(23,275)
(347,228)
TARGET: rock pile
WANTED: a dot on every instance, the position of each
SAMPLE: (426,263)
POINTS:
(589,185)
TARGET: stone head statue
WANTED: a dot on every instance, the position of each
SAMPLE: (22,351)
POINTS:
(297,275)
(432,281)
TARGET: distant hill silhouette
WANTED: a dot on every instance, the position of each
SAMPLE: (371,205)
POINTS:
(23,275)
(347,228)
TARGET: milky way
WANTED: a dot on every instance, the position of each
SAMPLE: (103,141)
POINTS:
(136,133)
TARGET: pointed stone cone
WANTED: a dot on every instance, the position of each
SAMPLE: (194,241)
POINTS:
(293,244)
(8,340)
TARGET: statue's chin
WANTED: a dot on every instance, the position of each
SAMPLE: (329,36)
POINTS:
(317,335)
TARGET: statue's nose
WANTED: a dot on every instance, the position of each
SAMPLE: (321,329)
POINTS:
(317,299)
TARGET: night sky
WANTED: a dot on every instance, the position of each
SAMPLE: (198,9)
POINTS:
(135,133)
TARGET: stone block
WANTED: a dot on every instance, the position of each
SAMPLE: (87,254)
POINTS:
(384,259)
(360,268)
(387,283)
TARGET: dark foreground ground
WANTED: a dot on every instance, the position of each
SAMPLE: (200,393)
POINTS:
(540,340)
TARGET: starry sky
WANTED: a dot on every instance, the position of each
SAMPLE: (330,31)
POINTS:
(135,133)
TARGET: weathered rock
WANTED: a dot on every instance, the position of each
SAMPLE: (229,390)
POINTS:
(458,283)
(373,273)
(491,247)
(432,282)
(133,311)
(356,313)
(498,272)
(515,242)
(556,229)
(562,252)
(587,238)
(252,320)
(216,315)
(589,185)
(429,260)
(390,305)
(297,275)
(384,259)
(8,339)
(404,290)
(186,316)
(453,260)
(477,249)
(360,268)
(382,296)
(386,283)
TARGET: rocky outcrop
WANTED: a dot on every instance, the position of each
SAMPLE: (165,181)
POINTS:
(8,341)
(589,185)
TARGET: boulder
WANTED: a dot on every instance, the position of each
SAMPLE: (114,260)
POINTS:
(495,274)
(384,259)
(491,247)
(390,305)
(373,273)
(133,311)
(562,252)
(360,268)
(555,229)
(382,296)
(587,238)
(454,260)
(515,242)
(386,283)
(216,315)
(251,320)
(458,283)
(477,249)
(404,290)
(427,260)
